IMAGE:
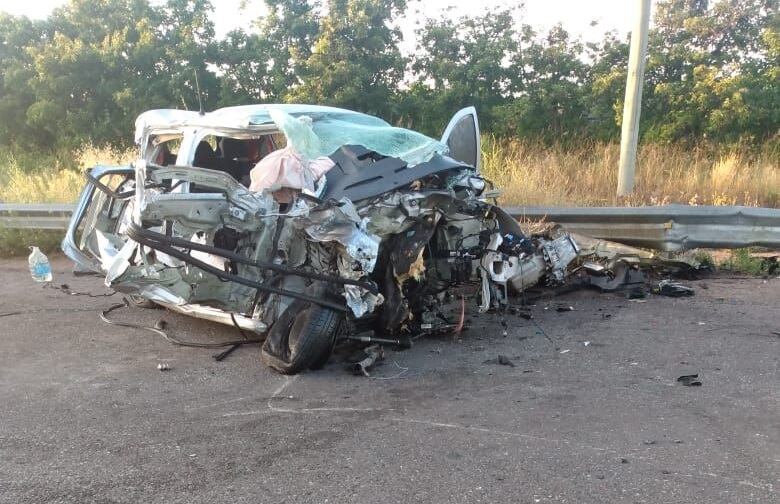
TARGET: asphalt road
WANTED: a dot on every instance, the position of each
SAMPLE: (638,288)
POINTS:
(85,415)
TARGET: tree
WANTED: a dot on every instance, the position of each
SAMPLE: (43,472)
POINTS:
(16,35)
(355,62)
(459,63)
(186,35)
(605,87)
(103,62)
(83,73)
(264,65)
(708,70)
(87,71)
(549,99)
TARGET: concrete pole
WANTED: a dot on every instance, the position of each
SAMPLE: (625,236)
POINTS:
(632,106)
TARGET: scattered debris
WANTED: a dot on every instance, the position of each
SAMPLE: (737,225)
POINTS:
(400,374)
(461,321)
(160,325)
(622,276)
(65,289)
(690,380)
(672,289)
(502,360)
(586,343)
(565,351)
(221,356)
(373,353)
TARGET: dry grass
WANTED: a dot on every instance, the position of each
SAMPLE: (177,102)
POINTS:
(56,178)
(532,174)
(529,173)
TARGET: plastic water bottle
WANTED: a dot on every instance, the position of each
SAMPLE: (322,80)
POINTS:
(40,269)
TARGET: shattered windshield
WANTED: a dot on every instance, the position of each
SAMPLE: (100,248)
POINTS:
(317,133)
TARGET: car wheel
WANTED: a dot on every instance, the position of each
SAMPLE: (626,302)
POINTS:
(302,338)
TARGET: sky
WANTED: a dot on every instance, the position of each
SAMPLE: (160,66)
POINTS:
(575,15)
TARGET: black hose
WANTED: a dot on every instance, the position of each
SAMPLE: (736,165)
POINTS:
(107,190)
(65,288)
(134,231)
(230,276)
(168,337)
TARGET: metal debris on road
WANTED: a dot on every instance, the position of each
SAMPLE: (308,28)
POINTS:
(502,360)
(673,289)
(690,380)
(373,353)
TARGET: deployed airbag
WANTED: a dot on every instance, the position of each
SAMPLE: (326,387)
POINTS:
(285,168)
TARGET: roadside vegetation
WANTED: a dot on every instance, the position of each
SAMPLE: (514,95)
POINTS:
(585,174)
(549,103)
(528,172)
(55,177)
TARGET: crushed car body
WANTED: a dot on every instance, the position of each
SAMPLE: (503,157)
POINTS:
(311,224)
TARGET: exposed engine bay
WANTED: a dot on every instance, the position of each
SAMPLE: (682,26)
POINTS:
(365,250)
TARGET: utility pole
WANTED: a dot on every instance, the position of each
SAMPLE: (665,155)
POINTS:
(632,106)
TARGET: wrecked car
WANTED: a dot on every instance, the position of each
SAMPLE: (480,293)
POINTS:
(308,225)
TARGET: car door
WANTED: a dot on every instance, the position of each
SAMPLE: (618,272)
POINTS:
(462,137)
(100,209)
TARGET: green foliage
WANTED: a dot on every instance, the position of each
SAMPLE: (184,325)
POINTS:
(741,261)
(552,100)
(705,259)
(355,62)
(14,242)
(84,74)
(713,71)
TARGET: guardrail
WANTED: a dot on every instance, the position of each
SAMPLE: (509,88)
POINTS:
(668,228)
(35,215)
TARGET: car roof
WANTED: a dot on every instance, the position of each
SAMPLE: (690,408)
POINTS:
(241,117)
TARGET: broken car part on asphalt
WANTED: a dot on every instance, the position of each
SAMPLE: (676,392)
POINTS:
(689,380)
(311,225)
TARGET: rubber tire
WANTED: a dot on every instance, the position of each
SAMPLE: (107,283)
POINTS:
(307,332)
